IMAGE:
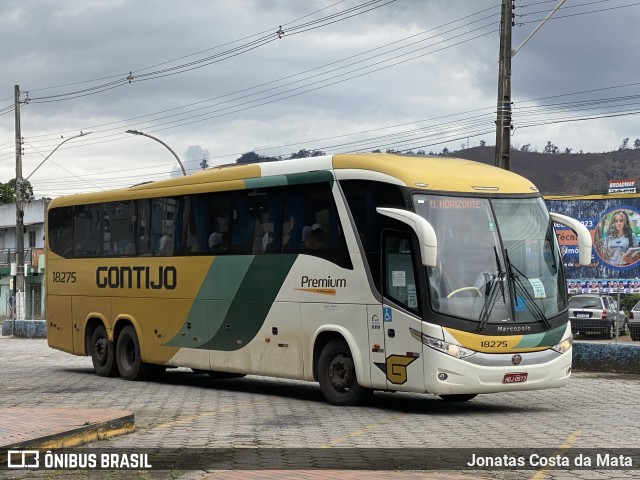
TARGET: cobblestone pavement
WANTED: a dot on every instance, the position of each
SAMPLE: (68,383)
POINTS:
(185,410)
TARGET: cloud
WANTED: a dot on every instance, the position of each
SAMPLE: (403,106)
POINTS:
(430,63)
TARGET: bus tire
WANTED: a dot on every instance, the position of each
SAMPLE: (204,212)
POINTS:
(337,376)
(103,354)
(461,397)
(130,364)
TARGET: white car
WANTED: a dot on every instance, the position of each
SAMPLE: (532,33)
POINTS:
(634,322)
(593,312)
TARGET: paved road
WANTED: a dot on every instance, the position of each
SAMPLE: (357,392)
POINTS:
(184,410)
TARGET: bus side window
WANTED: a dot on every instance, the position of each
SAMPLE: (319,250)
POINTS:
(122,217)
(60,233)
(362,197)
(400,280)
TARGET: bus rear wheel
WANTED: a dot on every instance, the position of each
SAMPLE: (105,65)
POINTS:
(102,353)
(128,358)
(337,376)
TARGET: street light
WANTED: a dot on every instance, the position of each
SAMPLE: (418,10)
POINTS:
(18,286)
(81,134)
(136,132)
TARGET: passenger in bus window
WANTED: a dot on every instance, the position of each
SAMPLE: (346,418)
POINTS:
(218,238)
(316,239)
(165,245)
(216,242)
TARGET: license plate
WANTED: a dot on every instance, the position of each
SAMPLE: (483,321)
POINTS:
(515,378)
(582,315)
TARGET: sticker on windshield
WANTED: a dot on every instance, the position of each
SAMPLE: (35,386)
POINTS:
(412,296)
(398,278)
(519,304)
(538,288)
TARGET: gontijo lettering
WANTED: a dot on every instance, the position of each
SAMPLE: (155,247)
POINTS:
(137,277)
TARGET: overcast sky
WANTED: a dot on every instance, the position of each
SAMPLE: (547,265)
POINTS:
(212,79)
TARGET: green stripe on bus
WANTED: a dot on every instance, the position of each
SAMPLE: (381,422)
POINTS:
(209,309)
(310,177)
(235,299)
(290,179)
(546,339)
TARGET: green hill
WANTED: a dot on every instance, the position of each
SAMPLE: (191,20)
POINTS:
(566,173)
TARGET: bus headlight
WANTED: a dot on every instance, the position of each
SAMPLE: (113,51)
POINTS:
(445,347)
(564,345)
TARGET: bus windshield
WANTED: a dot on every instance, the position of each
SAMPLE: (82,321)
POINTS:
(498,259)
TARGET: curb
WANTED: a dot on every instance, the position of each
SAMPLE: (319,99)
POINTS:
(25,328)
(58,433)
(603,357)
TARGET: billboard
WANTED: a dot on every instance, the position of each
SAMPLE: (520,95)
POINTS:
(614,224)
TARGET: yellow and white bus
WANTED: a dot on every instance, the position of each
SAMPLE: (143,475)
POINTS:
(361,272)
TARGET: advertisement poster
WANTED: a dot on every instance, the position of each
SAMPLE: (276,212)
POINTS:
(614,224)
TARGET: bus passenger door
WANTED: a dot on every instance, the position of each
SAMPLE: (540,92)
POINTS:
(401,314)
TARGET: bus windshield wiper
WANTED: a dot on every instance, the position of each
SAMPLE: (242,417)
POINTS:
(522,290)
(492,298)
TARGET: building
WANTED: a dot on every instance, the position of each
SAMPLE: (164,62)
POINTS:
(34,216)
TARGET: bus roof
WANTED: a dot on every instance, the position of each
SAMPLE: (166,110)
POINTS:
(442,174)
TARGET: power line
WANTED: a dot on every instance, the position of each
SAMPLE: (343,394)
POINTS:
(226,108)
(200,63)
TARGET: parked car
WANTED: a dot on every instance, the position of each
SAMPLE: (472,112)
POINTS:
(593,312)
(634,322)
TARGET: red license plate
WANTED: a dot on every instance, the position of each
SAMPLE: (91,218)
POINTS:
(515,378)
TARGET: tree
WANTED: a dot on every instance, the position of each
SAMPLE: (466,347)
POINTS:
(636,144)
(253,157)
(551,148)
(8,192)
(304,153)
(568,150)
(482,143)
(625,144)
(526,147)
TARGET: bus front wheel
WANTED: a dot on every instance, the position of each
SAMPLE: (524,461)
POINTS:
(337,376)
(128,358)
(102,352)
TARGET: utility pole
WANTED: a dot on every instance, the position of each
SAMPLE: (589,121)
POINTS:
(18,286)
(503,121)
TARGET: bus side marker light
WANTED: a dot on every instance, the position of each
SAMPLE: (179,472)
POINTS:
(442,376)
(267,339)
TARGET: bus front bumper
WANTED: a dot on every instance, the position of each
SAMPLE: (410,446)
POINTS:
(491,373)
